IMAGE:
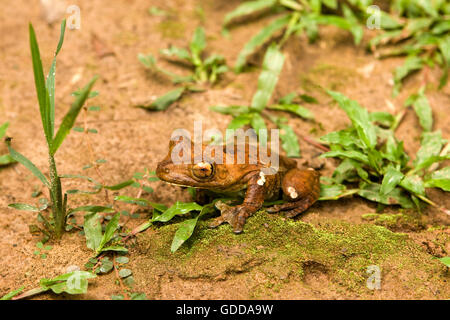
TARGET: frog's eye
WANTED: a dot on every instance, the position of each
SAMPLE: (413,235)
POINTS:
(202,170)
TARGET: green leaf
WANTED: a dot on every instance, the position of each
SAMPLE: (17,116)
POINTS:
(289,140)
(123,273)
(444,47)
(70,117)
(383,118)
(414,184)
(73,282)
(138,296)
(330,192)
(359,117)
(117,248)
(295,109)
(445,260)
(371,191)
(122,260)
(3,129)
(257,122)
(92,230)
(179,208)
(351,154)
(6,159)
(183,233)
(12,294)
(197,45)
(23,206)
(180,53)
(119,185)
(391,179)
(50,83)
(240,121)
(431,145)
(187,227)
(106,265)
(41,90)
(111,227)
(232,110)
(346,138)
(259,39)
(163,102)
(268,78)
(411,64)
(92,209)
(28,164)
(439,179)
(247,8)
(422,108)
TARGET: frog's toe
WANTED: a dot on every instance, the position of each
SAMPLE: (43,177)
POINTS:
(216,222)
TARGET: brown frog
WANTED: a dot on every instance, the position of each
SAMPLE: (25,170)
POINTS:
(300,188)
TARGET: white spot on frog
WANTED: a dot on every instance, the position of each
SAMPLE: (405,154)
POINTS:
(262,179)
(292,193)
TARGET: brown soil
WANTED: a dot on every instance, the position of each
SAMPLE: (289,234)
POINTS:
(324,254)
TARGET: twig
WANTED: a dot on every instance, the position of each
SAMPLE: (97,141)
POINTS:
(122,286)
(315,143)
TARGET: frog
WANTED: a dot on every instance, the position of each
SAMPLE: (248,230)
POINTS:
(256,181)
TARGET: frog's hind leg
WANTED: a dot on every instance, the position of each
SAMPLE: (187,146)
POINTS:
(302,188)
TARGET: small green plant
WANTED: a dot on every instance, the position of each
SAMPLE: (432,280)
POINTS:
(75,282)
(46,96)
(205,70)
(445,261)
(419,30)
(375,163)
(162,214)
(254,114)
(97,241)
(297,17)
(6,158)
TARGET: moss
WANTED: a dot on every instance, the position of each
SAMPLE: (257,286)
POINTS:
(172,29)
(396,222)
(286,250)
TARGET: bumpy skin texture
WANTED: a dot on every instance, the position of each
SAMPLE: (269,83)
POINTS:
(300,188)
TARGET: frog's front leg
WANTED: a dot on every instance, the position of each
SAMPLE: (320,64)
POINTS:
(237,215)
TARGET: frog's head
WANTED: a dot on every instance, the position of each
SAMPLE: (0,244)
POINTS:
(180,167)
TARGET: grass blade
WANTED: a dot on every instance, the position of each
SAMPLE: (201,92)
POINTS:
(272,65)
(27,163)
(163,102)
(50,83)
(3,129)
(259,39)
(295,109)
(248,8)
(70,117)
(422,108)
(289,140)
(41,90)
